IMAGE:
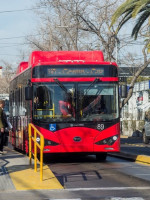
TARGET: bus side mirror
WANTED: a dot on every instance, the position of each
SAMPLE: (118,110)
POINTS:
(28,93)
(123,91)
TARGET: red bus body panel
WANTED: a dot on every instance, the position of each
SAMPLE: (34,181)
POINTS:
(89,136)
(53,57)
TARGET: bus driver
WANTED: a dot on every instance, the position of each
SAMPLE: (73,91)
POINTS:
(97,104)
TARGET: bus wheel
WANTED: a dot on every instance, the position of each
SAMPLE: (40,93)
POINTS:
(101,156)
(145,139)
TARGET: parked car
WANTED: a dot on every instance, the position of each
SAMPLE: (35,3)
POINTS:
(146,128)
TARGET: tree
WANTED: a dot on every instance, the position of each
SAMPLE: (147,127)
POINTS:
(79,25)
(76,25)
(145,63)
(8,73)
(130,9)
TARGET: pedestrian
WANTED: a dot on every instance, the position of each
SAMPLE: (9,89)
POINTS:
(3,125)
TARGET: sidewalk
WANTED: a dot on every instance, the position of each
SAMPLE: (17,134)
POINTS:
(16,174)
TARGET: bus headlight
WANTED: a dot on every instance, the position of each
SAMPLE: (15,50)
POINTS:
(109,141)
(50,143)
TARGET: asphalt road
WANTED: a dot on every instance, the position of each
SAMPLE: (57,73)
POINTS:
(86,178)
(134,145)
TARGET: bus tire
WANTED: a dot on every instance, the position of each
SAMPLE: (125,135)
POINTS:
(145,139)
(101,156)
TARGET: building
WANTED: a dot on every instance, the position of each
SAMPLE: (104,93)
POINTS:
(133,113)
(139,102)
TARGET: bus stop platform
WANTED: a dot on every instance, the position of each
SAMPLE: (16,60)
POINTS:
(17,174)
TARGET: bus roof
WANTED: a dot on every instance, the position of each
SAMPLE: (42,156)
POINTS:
(22,66)
(62,57)
(57,57)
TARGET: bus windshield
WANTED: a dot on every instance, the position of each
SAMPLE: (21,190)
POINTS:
(98,102)
(75,102)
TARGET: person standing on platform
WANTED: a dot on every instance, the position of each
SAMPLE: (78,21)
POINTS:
(3,125)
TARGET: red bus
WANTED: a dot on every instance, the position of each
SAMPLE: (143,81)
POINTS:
(72,99)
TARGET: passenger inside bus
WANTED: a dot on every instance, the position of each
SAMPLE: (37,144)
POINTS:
(66,107)
(97,106)
(101,108)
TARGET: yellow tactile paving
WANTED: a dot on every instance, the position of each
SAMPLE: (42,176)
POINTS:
(27,179)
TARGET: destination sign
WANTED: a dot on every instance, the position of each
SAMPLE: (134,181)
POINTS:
(75,71)
(46,71)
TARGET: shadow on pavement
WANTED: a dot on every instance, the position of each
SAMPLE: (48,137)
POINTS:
(131,140)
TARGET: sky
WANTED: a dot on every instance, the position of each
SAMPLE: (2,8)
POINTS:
(14,25)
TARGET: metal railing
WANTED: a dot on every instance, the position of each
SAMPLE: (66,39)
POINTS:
(38,141)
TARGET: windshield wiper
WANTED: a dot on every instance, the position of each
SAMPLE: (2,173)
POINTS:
(93,83)
(60,84)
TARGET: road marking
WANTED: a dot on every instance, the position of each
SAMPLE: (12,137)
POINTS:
(137,145)
(89,175)
(111,198)
(132,198)
(64,199)
(108,188)
(143,174)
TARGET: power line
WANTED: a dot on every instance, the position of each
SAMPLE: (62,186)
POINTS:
(13,45)
(20,10)
(8,38)
(8,55)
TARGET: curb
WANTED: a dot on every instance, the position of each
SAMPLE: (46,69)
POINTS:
(143,159)
(132,157)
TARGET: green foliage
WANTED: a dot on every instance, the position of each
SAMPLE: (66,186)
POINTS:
(130,9)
